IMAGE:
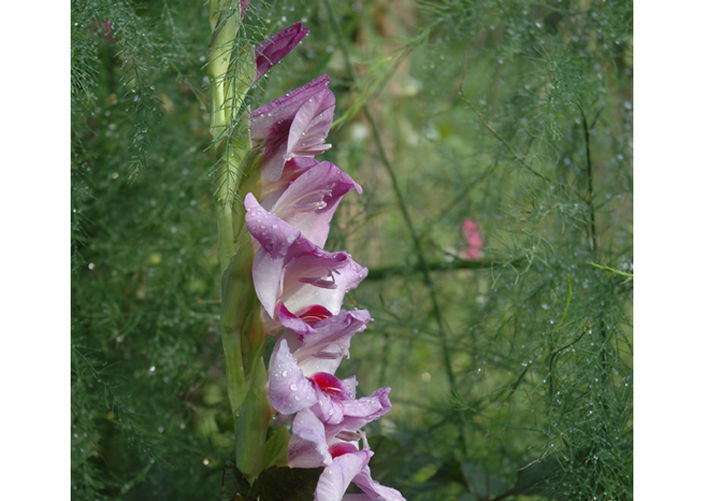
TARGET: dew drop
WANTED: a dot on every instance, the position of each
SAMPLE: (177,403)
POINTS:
(293,387)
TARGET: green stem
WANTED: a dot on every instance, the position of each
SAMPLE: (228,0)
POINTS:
(231,75)
(603,335)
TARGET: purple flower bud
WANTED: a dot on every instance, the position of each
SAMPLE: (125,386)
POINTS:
(271,50)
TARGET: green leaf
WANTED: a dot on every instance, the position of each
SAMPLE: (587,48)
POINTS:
(276,448)
(252,426)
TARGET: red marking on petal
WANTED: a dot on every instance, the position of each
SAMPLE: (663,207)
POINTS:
(311,315)
(328,383)
(341,448)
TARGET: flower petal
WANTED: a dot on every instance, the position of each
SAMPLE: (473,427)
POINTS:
(293,168)
(308,447)
(289,391)
(322,278)
(310,201)
(358,413)
(328,409)
(270,125)
(289,268)
(311,125)
(373,489)
(323,347)
(334,480)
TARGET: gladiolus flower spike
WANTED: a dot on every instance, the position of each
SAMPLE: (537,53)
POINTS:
(301,288)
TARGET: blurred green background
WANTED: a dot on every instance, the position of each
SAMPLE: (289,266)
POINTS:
(511,374)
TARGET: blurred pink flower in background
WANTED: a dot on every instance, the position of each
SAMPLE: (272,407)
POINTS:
(244,6)
(104,28)
(473,239)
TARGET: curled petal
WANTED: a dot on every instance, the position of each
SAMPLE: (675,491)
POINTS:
(334,480)
(322,278)
(373,490)
(289,391)
(358,413)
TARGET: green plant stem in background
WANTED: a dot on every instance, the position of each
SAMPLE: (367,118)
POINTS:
(382,272)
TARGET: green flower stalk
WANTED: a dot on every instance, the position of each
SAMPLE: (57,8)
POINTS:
(231,74)
(233,66)
(229,85)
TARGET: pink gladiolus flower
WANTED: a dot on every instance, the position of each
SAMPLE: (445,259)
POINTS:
(310,201)
(303,362)
(318,339)
(473,239)
(294,125)
(271,50)
(292,389)
(289,268)
(311,446)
